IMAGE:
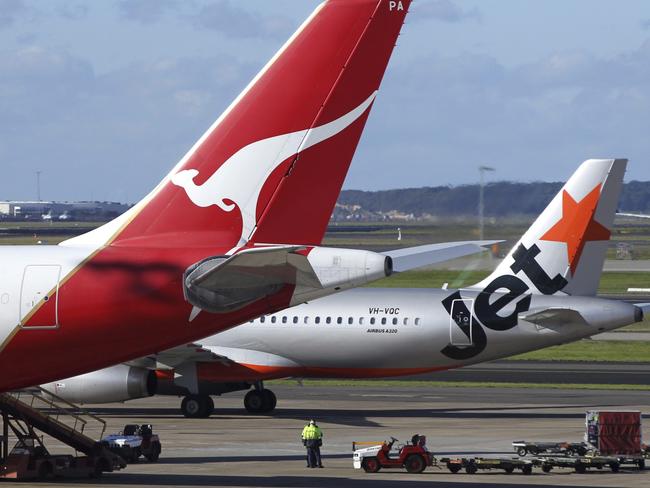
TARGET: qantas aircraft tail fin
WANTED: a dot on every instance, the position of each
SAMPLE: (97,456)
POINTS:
(270,169)
(564,250)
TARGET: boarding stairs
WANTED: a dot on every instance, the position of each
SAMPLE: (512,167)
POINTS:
(40,409)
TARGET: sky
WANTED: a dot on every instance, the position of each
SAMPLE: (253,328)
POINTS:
(104,97)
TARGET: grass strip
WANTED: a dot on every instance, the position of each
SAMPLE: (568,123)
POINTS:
(454,384)
(590,350)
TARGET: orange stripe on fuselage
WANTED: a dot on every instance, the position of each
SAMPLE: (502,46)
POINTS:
(218,372)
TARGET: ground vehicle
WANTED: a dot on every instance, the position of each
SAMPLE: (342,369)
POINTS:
(413,457)
(472,465)
(29,459)
(579,463)
(135,441)
(568,448)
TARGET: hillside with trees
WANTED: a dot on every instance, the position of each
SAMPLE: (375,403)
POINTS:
(502,199)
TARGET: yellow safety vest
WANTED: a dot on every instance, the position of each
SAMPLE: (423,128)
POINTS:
(311,432)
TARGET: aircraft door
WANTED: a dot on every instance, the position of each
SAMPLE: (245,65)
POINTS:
(40,286)
(461,322)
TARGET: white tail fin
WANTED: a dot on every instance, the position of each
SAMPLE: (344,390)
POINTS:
(564,250)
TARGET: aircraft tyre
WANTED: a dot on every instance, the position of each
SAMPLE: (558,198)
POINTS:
(260,401)
(197,406)
(270,400)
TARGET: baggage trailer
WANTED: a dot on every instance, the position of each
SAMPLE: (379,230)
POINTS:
(578,463)
(566,448)
(472,465)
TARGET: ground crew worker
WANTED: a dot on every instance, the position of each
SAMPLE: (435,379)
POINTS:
(312,439)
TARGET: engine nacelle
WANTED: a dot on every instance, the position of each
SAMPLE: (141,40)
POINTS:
(115,384)
(340,269)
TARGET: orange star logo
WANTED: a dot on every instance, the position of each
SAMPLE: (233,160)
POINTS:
(577,225)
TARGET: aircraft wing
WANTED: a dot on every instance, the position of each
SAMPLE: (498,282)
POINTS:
(176,356)
(416,257)
(224,283)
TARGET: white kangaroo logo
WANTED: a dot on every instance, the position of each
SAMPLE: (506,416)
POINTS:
(240,178)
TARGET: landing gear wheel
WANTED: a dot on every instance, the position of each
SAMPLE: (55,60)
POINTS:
(509,469)
(641,464)
(415,464)
(254,402)
(614,467)
(270,400)
(522,451)
(260,401)
(370,465)
(547,468)
(580,468)
(197,406)
(528,469)
(471,468)
(454,468)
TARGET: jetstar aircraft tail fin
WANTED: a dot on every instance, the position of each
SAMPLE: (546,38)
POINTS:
(564,250)
(270,168)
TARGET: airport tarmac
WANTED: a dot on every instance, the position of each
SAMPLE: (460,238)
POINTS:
(234,449)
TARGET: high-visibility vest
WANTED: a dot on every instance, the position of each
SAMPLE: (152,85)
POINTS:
(312,432)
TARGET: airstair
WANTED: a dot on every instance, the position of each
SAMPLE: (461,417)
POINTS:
(37,409)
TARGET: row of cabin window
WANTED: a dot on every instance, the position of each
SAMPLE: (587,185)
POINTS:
(339,320)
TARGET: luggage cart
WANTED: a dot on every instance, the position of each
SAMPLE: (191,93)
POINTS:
(580,464)
(523,448)
(472,465)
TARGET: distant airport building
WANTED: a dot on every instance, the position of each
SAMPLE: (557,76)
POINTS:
(47,210)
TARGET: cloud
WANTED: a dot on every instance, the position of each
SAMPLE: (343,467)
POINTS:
(444,11)
(10,10)
(145,11)
(222,16)
(104,135)
(73,11)
(444,115)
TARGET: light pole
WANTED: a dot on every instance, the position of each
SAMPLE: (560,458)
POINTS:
(481,170)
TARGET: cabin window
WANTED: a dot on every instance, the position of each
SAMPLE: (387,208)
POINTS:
(394,320)
(417,321)
(328,320)
(360,320)
(273,319)
(318,320)
(306,320)
(383,321)
(350,321)
(339,320)
(284,319)
(372,321)
(406,321)
(295,320)
(262,319)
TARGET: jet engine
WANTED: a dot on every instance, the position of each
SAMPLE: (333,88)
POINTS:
(115,384)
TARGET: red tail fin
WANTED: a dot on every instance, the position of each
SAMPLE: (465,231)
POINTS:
(271,167)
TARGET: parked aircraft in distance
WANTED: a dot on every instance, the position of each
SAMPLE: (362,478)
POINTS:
(231,233)
(542,294)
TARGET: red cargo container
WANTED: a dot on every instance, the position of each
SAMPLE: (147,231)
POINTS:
(614,433)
